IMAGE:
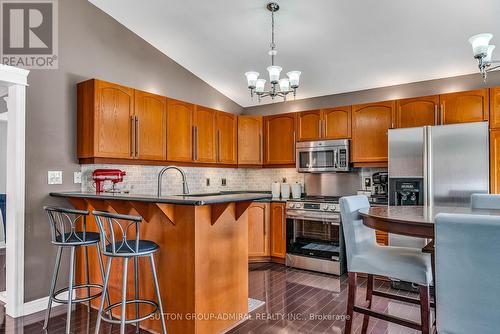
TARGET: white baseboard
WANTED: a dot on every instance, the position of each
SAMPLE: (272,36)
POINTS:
(41,304)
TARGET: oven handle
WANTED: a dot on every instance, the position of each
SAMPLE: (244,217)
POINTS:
(317,219)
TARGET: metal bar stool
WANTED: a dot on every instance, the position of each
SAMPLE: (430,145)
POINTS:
(63,228)
(114,229)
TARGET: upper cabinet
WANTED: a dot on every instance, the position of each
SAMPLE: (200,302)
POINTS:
(227,131)
(105,120)
(336,122)
(204,135)
(250,140)
(463,107)
(179,130)
(279,139)
(150,126)
(418,111)
(495,108)
(333,123)
(370,125)
(309,125)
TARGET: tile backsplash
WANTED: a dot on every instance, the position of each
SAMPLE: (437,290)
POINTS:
(143,179)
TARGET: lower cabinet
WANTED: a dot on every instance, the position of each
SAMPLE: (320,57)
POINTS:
(278,230)
(259,230)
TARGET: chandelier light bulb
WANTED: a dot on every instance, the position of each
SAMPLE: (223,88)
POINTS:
(252,78)
(274,73)
(294,77)
(284,85)
(259,86)
(480,43)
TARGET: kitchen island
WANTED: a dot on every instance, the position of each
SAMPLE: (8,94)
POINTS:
(203,259)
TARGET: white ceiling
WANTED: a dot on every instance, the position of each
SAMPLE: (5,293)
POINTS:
(339,45)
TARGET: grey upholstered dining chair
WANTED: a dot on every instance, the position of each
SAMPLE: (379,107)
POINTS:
(485,201)
(364,255)
(467,273)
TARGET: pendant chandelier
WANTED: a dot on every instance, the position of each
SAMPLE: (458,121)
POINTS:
(279,87)
(483,51)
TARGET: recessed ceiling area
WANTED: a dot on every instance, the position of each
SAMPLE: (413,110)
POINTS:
(340,46)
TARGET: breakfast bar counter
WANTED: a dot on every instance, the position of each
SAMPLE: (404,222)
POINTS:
(203,259)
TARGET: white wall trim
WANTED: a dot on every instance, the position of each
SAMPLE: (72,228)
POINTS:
(16,80)
(40,304)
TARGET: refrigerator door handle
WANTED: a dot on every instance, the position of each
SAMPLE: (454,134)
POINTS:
(428,201)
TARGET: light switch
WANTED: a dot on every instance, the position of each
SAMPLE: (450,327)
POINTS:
(55,177)
(77,177)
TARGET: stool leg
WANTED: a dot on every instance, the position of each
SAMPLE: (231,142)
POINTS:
(87,274)
(136,287)
(369,296)
(425,309)
(103,277)
(157,289)
(70,289)
(53,286)
(105,290)
(351,297)
(124,295)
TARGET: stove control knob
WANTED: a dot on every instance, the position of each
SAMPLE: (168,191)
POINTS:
(298,206)
(291,205)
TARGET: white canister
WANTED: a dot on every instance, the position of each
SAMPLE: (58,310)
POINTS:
(296,190)
(285,190)
(275,189)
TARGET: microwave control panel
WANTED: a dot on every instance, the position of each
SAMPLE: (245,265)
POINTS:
(342,158)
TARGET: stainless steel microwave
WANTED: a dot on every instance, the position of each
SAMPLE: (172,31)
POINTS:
(323,156)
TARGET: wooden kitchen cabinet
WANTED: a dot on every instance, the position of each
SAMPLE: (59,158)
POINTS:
(250,140)
(495,108)
(278,230)
(309,125)
(227,143)
(336,122)
(105,118)
(464,107)
(495,161)
(259,230)
(204,135)
(150,116)
(179,130)
(370,125)
(417,112)
(279,139)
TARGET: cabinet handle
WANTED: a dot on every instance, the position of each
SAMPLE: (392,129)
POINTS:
(260,148)
(132,139)
(218,145)
(282,222)
(137,137)
(324,129)
(264,223)
(193,148)
(196,136)
(320,129)
(435,114)
(442,113)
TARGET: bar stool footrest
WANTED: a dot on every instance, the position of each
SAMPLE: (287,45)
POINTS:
(77,287)
(130,321)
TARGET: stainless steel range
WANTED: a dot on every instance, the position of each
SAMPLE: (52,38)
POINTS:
(314,235)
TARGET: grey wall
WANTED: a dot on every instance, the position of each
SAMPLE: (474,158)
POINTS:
(3,156)
(91,44)
(440,86)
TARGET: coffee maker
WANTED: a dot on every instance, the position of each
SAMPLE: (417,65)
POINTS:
(379,194)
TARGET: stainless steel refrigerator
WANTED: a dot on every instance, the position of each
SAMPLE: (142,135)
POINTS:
(438,165)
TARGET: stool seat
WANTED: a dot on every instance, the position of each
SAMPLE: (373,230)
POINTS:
(128,248)
(77,238)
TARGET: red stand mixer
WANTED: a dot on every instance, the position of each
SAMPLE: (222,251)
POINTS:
(102,175)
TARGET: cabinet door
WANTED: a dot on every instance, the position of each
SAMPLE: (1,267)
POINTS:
(370,124)
(113,123)
(179,130)
(464,107)
(309,125)
(279,139)
(495,161)
(278,230)
(151,126)
(204,134)
(416,112)
(336,122)
(250,140)
(495,108)
(258,229)
(227,144)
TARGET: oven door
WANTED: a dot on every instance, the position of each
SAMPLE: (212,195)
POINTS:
(314,237)
(317,159)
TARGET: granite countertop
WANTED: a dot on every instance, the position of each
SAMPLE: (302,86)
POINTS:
(198,199)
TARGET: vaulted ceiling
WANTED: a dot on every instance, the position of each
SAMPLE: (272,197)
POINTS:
(339,45)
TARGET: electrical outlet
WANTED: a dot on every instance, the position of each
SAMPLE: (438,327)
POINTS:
(77,177)
(208,182)
(224,183)
(368,182)
(55,177)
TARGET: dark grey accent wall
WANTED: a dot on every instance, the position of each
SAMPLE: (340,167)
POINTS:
(431,87)
(91,44)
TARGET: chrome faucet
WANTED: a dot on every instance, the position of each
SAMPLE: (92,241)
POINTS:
(185,189)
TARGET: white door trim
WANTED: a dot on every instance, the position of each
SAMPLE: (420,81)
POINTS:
(16,80)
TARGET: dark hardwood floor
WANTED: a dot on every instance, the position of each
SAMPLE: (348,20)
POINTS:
(297,301)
